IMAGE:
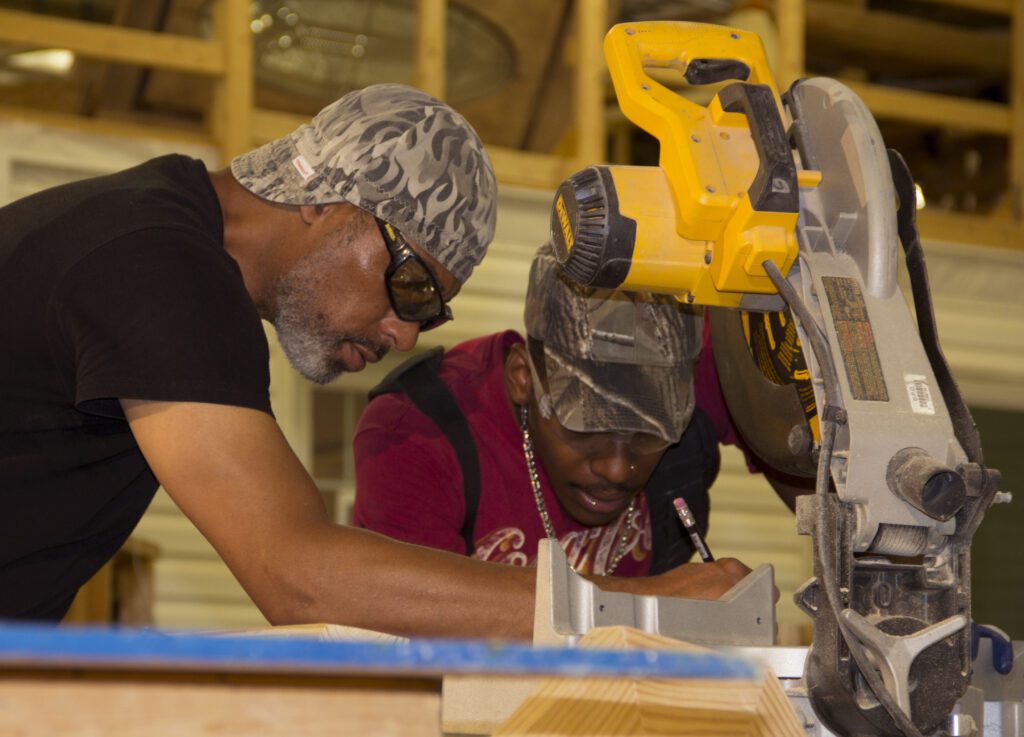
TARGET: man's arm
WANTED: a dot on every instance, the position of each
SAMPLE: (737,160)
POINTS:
(233,474)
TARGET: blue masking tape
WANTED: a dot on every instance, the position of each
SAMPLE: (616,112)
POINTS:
(34,645)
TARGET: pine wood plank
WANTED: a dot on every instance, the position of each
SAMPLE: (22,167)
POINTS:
(230,115)
(897,38)
(123,708)
(430,47)
(994,7)
(591,25)
(926,108)
(1016,174)
(125,45)
(631,706)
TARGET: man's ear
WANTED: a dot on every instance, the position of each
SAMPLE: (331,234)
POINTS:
(311,213)
(518,380)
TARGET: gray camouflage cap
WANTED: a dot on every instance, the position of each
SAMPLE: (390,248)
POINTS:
(397,153)
(613,361)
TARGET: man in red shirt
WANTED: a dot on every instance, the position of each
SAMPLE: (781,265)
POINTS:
(578,435)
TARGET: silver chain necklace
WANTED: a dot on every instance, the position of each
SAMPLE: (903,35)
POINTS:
(542,508)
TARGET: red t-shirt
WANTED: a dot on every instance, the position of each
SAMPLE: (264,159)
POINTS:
(409,482)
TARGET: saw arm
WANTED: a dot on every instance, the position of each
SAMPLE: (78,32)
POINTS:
(764,202)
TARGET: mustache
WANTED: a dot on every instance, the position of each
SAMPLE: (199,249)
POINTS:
(378,349)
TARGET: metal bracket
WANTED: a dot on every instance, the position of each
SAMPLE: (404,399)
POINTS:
(568,606)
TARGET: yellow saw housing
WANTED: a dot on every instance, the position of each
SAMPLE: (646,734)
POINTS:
(724,197)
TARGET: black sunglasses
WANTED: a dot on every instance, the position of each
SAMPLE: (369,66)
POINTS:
(412,288)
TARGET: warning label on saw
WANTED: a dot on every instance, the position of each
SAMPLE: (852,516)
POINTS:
(856,339)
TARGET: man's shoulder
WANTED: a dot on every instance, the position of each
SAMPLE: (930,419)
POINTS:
(169,192)
(173,185)
(61,226)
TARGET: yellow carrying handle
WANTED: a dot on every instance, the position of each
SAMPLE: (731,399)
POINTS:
(708,153)
(701,53)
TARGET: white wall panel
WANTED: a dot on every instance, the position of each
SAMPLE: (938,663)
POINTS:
(979,305)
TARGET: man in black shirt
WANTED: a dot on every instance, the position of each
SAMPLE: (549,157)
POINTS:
(130,311)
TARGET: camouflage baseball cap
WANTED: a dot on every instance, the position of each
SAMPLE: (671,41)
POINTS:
(612,361)
(395,152)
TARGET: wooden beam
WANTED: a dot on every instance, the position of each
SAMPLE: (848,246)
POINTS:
(591,25)
(1016,178)
(270,124)
(895,38)
(890,103)
(792,22)
(229,707)
(622,143)
(231,122)
(624,706)
(993,7)
(527,169)
(106,126)
(94,601)
(972,230)
(926,108)
(430,47)
(116,87)
(124,45)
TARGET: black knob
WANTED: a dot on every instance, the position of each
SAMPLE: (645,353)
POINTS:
(926,484)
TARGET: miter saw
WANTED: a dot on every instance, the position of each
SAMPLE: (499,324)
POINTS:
(785,214)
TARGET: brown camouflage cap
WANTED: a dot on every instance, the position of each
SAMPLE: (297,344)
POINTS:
(396,152)
(613,361)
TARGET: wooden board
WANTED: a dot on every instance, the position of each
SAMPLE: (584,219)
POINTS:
(748,706)
(640,706)
(72,707)
(71,682)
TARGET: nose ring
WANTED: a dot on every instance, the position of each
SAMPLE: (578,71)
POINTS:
(632,467)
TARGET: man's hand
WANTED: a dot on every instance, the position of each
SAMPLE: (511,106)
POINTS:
(700,580)
(690,580)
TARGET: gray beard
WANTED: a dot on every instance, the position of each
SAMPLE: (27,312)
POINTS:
(307,342)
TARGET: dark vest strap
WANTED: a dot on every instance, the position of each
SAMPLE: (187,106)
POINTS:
(418,378)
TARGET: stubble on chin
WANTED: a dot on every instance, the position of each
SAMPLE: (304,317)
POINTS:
(302,330)
(308,351)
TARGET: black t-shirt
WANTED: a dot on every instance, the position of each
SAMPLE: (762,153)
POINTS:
(113,287)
